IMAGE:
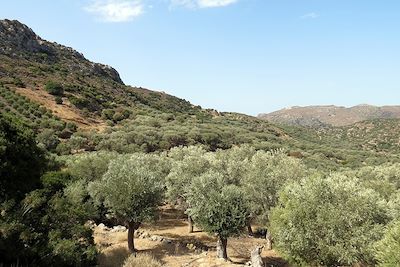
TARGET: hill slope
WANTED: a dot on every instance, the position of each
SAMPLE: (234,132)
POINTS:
(94,99)
(75,105)
(330,115)
(26,60)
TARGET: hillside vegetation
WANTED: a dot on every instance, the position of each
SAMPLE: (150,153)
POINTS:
(89,167)
(316,116)
(75,105)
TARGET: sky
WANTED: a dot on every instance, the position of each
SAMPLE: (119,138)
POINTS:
(248,56)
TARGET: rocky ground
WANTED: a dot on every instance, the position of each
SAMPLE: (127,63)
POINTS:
(169,241)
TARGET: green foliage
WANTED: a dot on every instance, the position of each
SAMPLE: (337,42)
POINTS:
(216,207)
(328,221)
(19,83)
(21,161)
(232,163)
(55,180)
(132,188)
(387,249)
(47,228)
(42,227)
(384,179)
(265,175)
(54,88)
(90,167)
(55,229)
(71,126)
(79,102)
(58,100)
(36,117)
(48,139)
(187,163)
(70,241)
(108,114)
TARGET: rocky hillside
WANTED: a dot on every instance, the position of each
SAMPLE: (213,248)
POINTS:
(88,89)
(74,105)
(330,115)
(19,41)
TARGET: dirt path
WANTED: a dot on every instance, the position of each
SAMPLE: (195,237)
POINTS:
(169,241)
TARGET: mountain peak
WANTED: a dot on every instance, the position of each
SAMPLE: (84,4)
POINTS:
(18,40)
(16,37)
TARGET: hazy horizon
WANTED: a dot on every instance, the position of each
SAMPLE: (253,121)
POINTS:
(247,56)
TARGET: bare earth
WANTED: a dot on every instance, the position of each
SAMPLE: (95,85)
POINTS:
(65,111)
(179,248)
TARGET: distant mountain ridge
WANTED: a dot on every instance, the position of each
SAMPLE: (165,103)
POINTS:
(316,116)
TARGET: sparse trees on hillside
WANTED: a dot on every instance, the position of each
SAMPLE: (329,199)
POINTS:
(218,208)
(132,189)
(54,88)
(330,221)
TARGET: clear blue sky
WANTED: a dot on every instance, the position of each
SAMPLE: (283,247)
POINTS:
(248,56)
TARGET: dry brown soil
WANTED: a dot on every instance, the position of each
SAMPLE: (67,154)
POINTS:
(172,225)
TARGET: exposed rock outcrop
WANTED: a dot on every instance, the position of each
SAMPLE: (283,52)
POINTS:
(18,40)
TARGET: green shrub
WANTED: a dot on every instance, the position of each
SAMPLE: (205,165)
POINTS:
(107,114)
(79,102)
(19,83)
(331,221)
(48,139)
(71,126)
(22,162)
(63,148)
(388,249)
(54,88)
(55,180)
(58,100)
(118,117)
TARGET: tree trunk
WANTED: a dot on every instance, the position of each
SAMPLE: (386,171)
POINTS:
(221,248)
(132,227)
(190,221)
(268,237)
(249,229)
(131,236)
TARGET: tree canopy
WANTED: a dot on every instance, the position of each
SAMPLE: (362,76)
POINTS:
(328,221)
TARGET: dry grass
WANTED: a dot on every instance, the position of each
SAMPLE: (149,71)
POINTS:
(113,256)
(66,111)
(141,260)
(114,250)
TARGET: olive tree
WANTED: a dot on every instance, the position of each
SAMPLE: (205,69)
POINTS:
(384,179)
(232,163)
(387,249)
(267,173)
(328,221)
(89,166)
(218,208)
(132,189)
(187,163)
